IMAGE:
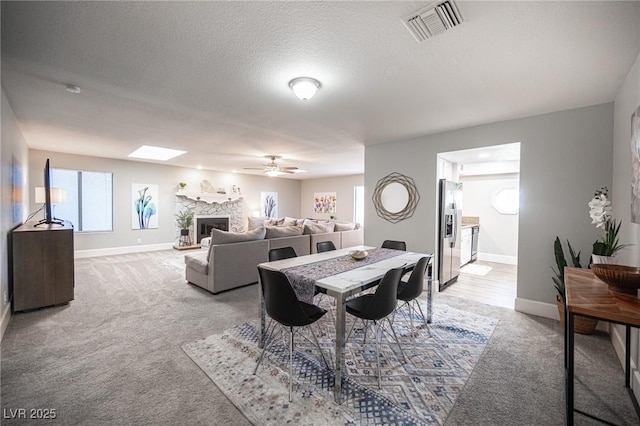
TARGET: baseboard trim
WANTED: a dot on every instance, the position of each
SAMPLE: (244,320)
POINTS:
(79,254)
(540,309)
(6,317)
(498,258)
(548,310)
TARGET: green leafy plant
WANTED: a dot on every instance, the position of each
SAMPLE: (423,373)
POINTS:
(558,278)
(184,219)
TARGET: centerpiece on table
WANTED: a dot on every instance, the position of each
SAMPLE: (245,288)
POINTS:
(605,248)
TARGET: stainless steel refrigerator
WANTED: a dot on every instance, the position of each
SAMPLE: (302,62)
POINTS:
(450,222)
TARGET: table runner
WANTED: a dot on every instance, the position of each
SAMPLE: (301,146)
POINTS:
(303,278)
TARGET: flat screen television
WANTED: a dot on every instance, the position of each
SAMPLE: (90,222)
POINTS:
(48,206)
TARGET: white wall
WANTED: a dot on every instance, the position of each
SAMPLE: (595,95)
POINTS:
(166,177)
(564,157)
(498,232)
(14,163)
(342,186)
(627,100)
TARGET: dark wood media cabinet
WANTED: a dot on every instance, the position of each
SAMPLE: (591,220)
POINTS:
(43,265)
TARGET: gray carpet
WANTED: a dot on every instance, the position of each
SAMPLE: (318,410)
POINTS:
(113,356)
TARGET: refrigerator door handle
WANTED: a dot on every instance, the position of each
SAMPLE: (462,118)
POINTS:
(455,225)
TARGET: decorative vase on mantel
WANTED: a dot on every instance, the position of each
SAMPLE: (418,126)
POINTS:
(610,260)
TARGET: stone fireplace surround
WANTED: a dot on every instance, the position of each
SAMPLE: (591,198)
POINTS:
(211,206)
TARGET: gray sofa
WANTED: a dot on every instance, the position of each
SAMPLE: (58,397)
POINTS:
(226,266)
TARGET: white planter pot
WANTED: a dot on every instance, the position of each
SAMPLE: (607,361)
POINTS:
(604,259)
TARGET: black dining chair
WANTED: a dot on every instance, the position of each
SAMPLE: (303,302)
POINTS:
(410,290)
(288,253)
(283,306)
(323,246)
(377,307)
(396,245)
(282,253)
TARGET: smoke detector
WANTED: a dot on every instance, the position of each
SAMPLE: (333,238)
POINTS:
(433,20)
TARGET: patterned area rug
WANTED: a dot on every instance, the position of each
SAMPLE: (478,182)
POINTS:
(422,390)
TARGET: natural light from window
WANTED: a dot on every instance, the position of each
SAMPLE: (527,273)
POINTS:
(358,205)
(506,200)
(89,205)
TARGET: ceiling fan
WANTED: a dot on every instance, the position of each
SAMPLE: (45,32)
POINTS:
(273,169)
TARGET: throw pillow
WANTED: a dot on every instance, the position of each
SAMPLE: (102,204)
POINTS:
(274,221)
(224,237)
(344,226)
(256,222)
(308,222)
(283,231)
(319,228)
(290,221)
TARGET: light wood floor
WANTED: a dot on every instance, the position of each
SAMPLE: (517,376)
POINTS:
(497,287)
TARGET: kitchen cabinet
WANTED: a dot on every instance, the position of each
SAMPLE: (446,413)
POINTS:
(475,230)
(466,244)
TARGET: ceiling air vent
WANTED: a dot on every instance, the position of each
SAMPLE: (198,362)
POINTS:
(433,20)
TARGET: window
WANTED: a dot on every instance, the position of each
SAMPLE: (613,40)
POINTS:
(89,203)
(358,204)
(506,200)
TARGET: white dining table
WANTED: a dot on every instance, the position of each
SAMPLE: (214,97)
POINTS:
(340,287)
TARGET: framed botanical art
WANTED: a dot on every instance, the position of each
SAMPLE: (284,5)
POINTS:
(144,206)
(269,204)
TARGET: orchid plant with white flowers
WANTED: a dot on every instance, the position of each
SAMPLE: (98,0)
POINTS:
(600,212)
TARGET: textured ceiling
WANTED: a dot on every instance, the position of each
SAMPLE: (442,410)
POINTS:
(211,77)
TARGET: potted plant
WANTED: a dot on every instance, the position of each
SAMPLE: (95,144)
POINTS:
(182,185)
(582,325)
(184,220)
(608,245)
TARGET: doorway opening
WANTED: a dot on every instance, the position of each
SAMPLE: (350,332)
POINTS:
(482,253)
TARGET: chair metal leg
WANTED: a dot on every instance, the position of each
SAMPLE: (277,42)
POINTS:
(290,361)
(319,348)
(269,340)
(351,329)
(404,357)
(378,332)
(424,319)
(411,319)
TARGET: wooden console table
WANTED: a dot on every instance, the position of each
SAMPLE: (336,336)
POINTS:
(587,295)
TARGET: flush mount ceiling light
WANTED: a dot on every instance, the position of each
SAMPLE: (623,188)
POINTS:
(304,87)
(148,152)
(72,88)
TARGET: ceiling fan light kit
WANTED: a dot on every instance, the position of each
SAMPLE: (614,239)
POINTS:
(273,169)
(304,87)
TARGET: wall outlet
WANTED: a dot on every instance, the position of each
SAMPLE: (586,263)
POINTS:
(139,241)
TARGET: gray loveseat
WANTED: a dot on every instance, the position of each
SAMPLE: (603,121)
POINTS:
(227,265)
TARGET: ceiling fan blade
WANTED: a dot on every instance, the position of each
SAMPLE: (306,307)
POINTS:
(288,168)
(253,168)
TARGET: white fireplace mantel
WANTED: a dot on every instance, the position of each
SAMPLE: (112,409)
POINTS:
(209,197)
